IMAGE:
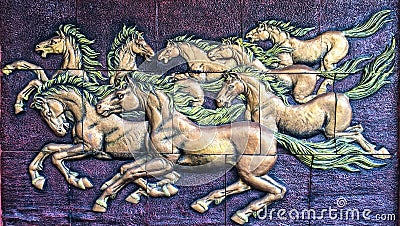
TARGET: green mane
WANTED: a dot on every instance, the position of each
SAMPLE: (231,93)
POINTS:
(267,57)
(202,44)
(181,101)
(92,92)
(286,27)
(89,56)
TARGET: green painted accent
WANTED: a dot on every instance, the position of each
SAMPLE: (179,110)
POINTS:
(339,153)
(375,74)
(370,27)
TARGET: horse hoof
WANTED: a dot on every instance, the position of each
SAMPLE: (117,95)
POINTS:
(18,109)
(87,183)
(172,189)
(39,182)
(239,219)
(382,153)
(100,206)
(199,206)
(7,70)
(133,198)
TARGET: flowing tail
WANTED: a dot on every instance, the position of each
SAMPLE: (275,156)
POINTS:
(350,67)
(334,153)
(370,27)
(375,74)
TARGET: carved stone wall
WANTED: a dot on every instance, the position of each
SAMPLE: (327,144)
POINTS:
(314,196)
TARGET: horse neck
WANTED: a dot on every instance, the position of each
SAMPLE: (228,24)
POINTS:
(277,36)
(127,59)
(239,55)
(73,102)
(260,95)
(191,52)
(72,55)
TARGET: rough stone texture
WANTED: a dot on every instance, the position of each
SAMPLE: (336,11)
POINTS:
(25,23)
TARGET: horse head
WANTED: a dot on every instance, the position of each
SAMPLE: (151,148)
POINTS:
(139,46)
(54,113)
(55,45)
(223,51)
(121,100)
(231,88)
(171,51)
(261,32)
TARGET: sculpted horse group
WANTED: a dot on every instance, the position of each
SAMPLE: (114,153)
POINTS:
(74,101)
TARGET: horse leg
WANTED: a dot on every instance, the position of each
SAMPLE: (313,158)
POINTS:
(37,164)
(154,167)
(382,153)
(123,169)
(163,188)
(338,51)
(74,152)
(24,65)
(253,171)
(217,196)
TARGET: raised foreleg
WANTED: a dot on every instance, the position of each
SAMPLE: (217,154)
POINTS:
(24,65)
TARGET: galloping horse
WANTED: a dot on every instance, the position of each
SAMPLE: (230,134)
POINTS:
(330,46)
(66,102)
(241,141)
(329,113)
(127,44)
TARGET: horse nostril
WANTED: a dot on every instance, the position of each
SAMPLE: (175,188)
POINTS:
(37,46)
(98,106)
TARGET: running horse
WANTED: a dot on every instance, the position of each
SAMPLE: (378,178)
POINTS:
(329,47)
(329,113)
(253,153)
(66,102)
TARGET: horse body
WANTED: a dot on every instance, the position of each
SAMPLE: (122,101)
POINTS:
(93,134)
(174,136)
(329,113)
(330,47)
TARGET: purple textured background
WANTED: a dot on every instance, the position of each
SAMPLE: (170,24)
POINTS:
(25,23)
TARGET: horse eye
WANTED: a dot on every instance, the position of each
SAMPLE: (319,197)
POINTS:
(120,96)
(48,114)
(230,86)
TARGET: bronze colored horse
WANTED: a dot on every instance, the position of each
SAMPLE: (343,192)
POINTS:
(330,47)
(63,107)
(329,113)
(174,136)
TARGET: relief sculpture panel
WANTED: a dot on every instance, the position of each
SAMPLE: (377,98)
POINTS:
(217,113)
